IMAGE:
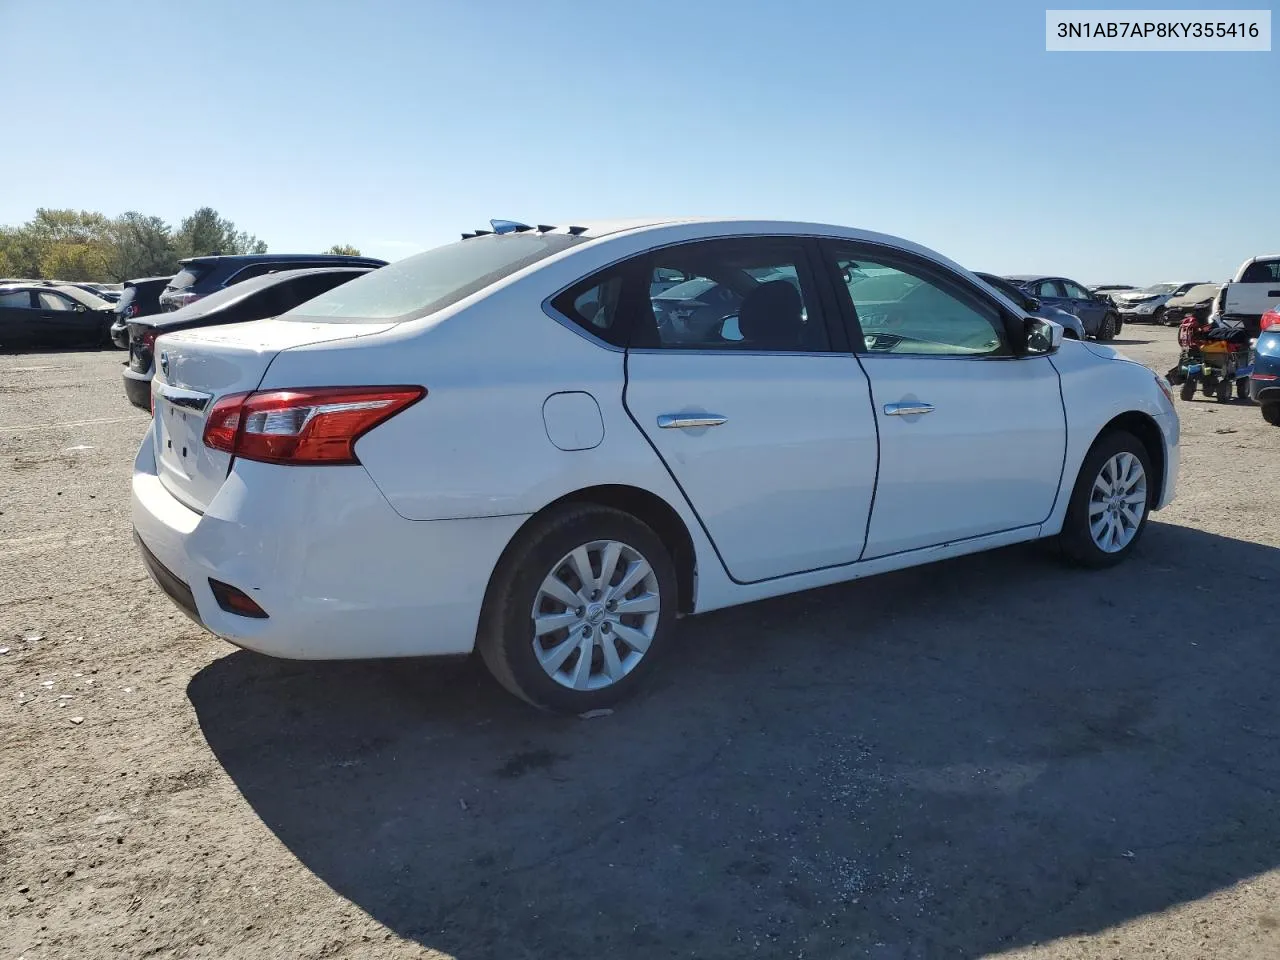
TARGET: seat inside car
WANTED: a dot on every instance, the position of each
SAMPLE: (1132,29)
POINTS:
(771,316)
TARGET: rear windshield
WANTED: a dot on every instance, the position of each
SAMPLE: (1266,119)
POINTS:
(126,298)
(188,276)
(430,281)
(1262,271)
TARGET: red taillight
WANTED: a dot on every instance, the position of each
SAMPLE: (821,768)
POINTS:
(308,425)
(1271,319)
(148,339)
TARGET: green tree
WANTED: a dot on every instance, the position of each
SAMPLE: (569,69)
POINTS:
(344,249)
(204,232)
(64,245)
(144,247)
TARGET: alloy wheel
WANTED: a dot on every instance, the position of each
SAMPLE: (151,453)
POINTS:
(595,615)
(1117,502)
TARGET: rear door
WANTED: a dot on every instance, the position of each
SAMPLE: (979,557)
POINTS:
(762,416)
(972,439)
(18,317)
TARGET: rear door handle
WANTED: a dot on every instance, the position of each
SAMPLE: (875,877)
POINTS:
(906,409)
(683,421)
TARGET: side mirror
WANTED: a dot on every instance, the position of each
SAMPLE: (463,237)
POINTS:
(1043,336)
(81,308)
(1031,304)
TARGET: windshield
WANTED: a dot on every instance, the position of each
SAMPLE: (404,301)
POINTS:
(1157,289)
(430,281)
(1201,291)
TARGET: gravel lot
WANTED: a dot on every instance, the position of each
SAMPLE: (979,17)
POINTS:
(992,755)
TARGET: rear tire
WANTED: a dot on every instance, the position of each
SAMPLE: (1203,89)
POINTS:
(1271,412)
(1224,390)
(1110,502)
(1242,388)
(1188,389)
(588,656)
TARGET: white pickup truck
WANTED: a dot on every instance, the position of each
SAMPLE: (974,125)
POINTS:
(1254,290)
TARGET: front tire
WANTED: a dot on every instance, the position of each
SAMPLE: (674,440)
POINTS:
(1271,412)
(579,609)
(1188,389)
(1110,502)
(1107,329)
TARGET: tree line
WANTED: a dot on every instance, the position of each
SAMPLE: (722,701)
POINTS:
(84,245)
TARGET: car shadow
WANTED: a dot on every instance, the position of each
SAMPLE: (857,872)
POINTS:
(953,760)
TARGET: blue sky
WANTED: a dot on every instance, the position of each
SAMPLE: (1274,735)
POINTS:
(394,124)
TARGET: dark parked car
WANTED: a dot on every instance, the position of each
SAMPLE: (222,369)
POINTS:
(38,314)
(201,276)
(1073,328)
(1197,302)
(139,298)
(1096,311)
(263,296)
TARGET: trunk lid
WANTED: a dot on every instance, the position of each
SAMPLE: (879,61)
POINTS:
(195,368)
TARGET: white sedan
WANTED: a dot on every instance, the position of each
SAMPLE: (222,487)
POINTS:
(547,444)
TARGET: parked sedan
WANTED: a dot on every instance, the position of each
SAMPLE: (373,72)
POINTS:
(1095,311)
(265,296)
(493,445)
(139,298)
(39,314)
(1070,323)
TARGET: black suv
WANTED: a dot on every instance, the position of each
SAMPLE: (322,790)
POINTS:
(201,276)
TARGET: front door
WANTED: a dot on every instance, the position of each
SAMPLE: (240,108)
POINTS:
(1084,305)
(972,439)
(751,401)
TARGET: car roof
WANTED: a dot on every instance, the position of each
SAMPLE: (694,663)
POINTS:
(336,258)
(707,228)
(228,296)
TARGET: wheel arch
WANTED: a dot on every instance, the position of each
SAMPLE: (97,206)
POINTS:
(1142,426)
(648,508)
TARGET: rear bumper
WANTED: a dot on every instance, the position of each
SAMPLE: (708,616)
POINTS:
(137,387)
(340,574)
(1264,391)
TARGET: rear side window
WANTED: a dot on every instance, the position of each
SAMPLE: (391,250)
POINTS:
(430,281)
(595,305)
(1262,271)
(188,276)
(19,298)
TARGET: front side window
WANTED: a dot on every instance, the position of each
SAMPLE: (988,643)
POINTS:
(427,282)
(750,294)
(904,308)
(1048,288)
(1075,291)
(53,301)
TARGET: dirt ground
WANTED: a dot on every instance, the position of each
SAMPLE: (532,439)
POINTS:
(995,755)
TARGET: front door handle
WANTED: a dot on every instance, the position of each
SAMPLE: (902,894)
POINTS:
(906,409)
(684,421)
